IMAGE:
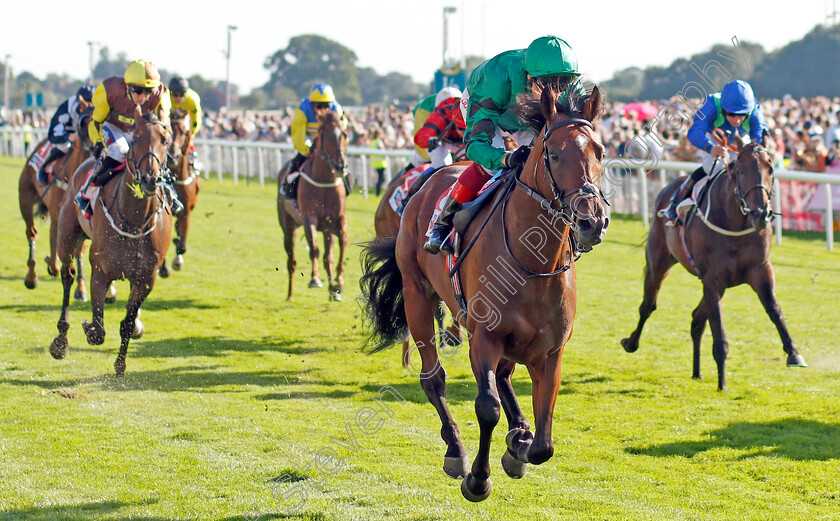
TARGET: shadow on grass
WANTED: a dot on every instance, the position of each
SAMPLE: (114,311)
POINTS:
(186,378)
(305,395)
(792,438)
(83,511)
(218,346)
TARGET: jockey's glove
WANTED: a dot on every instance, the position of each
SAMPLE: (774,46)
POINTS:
(434,142)
(98,147)
(518,157)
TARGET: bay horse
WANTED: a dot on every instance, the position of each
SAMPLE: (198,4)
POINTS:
(36,199)
(321,207)
(386,223)
(187,183)
(129,231)
(726,244)
(521,294)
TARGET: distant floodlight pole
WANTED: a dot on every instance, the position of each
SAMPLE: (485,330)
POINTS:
(446,11)
(230,29)
(90,59)
(6,85)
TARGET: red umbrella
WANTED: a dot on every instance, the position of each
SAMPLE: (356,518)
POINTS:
(642,110)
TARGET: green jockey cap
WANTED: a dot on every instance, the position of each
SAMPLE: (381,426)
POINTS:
(550,56)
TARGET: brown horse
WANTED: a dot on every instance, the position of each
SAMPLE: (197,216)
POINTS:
(386,223)
(130,232)
(321,204)
(187,185)
(518,284)
(727,243)
(37,199)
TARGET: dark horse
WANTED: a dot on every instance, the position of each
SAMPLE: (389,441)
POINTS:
(130,232)
(187,185)
(729,244)
(321,201)
(518,281)
(37,199)
(386,223)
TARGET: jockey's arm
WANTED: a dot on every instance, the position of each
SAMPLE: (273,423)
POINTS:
(481,128)
(298,132)
(196,115)
(101,108)
(757,124)
(704,119)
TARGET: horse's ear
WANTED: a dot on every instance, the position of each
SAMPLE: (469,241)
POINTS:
(548,98)
(739,142)
(592,107)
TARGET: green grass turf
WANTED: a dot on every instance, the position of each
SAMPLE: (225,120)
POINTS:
(232,387)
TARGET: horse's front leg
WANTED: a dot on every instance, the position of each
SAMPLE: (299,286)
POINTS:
(328,259)
(763,282)
(698,326)
(27,197)
(81,281)
(485,354)
(712,293)
(59,346)
(289,234)
(342,249)
(95,329)
(310,224)
(52,260)
(182,227)
(545,383)
(518,428)
(140,289)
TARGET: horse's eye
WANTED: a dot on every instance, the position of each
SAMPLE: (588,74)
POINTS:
(553,157)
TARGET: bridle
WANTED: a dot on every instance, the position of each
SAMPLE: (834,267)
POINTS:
(335,159)
(134,164)
(557,207)
(741,197)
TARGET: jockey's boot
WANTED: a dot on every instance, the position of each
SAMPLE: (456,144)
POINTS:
(442,227)
(54,154)
(102,166)
(670,213)
(290,187)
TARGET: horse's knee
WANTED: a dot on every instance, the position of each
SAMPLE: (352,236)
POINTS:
(487,409)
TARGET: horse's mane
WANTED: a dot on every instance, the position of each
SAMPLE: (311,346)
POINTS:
(577,92)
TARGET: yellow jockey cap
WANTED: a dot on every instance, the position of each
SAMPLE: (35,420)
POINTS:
(321,93)
(142,72)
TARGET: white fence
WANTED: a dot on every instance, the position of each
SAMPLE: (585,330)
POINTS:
(624,181)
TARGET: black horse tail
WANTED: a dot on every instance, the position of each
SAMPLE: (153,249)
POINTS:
(382,293)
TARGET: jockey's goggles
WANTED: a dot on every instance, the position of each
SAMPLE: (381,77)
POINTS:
(320,105)
(139,89)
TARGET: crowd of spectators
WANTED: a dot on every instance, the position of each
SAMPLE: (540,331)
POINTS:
(805,131)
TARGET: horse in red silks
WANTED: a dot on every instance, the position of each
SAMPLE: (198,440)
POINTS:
(129,231)
(725,243)
(520,300)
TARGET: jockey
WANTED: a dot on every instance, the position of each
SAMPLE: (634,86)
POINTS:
(733,110)
(115,104)
(492,90)
(64,122)
(304,130)
(181,96)
(443,132)
(421,113)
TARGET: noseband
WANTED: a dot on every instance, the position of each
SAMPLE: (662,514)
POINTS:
(134,164)
(735,176)
(334,159)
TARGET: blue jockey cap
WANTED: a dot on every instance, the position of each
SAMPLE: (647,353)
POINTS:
(737,97)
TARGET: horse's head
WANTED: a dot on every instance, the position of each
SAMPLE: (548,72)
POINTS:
(332,141)
(147,154)
(752,177)
(180,138)
(567,163)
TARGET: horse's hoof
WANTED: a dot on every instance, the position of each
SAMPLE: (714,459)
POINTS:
(58,348)
(512,466)
(629,346)
(139,329)
(796,361)
(119,367)
(94,332)
(456,467)
(31,284)
(52,270)
(111,295)
(163,271)
(178,262)
(516,437)
(81,296)
(315,283)
(471,493)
